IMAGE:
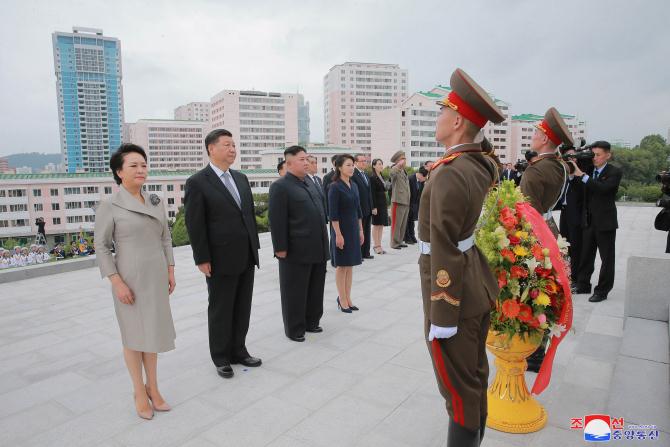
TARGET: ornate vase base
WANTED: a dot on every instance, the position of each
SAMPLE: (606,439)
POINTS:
(515,417)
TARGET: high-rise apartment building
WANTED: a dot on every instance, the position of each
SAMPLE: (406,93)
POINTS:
(171,145)
(352,92)
(523,127)
(90,97)
(193,111)
(260,121)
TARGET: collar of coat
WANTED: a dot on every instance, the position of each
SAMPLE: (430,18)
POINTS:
(125,200)
(456,151)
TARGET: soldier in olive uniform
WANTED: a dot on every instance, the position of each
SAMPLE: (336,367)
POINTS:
(543,183)
(457,285)
(544,179)
(400,196)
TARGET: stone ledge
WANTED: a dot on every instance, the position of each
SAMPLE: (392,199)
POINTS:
(52,268)
(647,286)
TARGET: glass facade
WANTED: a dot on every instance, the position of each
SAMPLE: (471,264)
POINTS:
(90,98)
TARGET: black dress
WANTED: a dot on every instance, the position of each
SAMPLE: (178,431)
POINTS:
(344,207)
(379,201)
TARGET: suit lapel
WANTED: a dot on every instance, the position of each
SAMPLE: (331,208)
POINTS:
(126,201)
(218,185)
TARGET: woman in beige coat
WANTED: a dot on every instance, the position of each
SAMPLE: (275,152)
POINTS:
(134,224)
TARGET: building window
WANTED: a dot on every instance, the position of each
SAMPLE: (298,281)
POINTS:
(170,200)
(55,206)
(71,191)
(20,223)
(38,207)
(4,223)
(90,189)
(155,187)
(37,193)
(181,187)
(108,189)
(3,193)
(75,219)
(171,214)
(18,207)
(16,193)
(72,205)
(53,192)
(170,188)
(56,221)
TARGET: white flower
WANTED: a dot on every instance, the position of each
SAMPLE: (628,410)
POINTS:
(547,263)
(555,330)
(563,244)
(532,264)
(503,243)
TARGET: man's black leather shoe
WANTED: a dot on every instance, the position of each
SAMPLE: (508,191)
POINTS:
(596,298)
(368,257)
(410,242)
(250,361)
(403,245)
(582,289)
(315,330)
(225,371)
(299,338)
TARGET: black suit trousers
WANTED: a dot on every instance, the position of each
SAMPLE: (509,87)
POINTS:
(228,314)
(301,287)
(410,236)
(367,222)
(573,233)
(603,242)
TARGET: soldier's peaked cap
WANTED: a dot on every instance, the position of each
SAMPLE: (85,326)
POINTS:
(555,128)
(471,101)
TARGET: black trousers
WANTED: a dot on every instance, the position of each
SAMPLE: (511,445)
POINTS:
(603,242)
(409,231)
(365,248)
(228,314)
(573,233)
(301,287)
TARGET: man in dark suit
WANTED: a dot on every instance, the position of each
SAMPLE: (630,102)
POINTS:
(221,224)
(300,242)
(328,178)
(599,220)
(365,195)
(416,184)
(571,206)
(507,173)
(312,171)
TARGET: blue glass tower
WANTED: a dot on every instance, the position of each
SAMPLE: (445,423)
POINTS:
(90,97)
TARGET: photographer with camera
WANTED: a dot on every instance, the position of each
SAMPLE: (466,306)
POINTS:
(599,221)
(662,221)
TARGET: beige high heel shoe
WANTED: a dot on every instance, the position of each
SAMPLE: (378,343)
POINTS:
(163,407)
(148,415)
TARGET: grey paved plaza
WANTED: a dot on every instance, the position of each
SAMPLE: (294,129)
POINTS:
(365,381)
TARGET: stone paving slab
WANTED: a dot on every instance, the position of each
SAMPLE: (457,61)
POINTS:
(365,381)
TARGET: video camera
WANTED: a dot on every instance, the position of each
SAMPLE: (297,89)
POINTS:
(583,155)
(521,165)
(663,178)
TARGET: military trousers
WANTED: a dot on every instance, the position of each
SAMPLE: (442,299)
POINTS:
(399,214)
(460,363)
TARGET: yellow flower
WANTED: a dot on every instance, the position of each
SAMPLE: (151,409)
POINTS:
(542,299)
(520,251)
(523,235)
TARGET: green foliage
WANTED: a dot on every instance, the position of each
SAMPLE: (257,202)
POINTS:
(261,202)
(262,222)
(9,244)
(638,192)
(179,233)
(640,166)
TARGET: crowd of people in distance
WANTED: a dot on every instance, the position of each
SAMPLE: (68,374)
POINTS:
(40,254)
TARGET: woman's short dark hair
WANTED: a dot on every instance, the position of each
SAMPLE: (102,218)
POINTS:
(339,162)
(116,161)
(214,136)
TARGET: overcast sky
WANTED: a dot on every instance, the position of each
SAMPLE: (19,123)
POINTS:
(606,61)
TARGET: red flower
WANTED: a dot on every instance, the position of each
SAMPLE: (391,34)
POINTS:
(510,308)
(502,278)
(518,272)
(542,272)
(534,323)
(551,287)
(537,252)
(525,313)
(508,254)
(508,219)
(534,293)
(513,239)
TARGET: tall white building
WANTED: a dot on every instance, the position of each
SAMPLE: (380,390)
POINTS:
(523,127)
(193,111)
(260,121)
(411,128)
(171,145)
(352,92)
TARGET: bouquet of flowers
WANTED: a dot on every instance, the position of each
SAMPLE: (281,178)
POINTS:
(530,265)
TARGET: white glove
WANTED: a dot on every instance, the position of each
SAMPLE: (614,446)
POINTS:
(441,332)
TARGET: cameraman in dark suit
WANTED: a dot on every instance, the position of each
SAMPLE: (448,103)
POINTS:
(571,206)
(221,224)
(416,184)
(362,180)
(298,226)
(599,220)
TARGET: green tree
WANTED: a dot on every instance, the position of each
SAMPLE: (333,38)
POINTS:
(179,233)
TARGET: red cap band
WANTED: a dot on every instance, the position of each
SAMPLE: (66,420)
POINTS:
(456,103)
(544,127)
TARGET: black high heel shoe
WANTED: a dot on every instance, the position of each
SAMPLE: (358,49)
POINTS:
(353,307)
(346,310)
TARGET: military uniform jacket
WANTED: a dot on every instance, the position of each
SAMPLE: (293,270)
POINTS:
(462,285)
(543,182)
(399,186)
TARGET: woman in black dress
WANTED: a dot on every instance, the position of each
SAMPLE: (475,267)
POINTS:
(346,229)
(381,219)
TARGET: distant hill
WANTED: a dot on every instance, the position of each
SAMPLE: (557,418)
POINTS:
(35,160)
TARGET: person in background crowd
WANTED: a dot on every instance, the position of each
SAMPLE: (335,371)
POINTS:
(399,200)
(328,178)
(312,170)
(74,249)
(58,252)
(346,231)
(416,184)
(43,255)
(281,168)
(17,257)
(380,215)
(362,181)
(5,259)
